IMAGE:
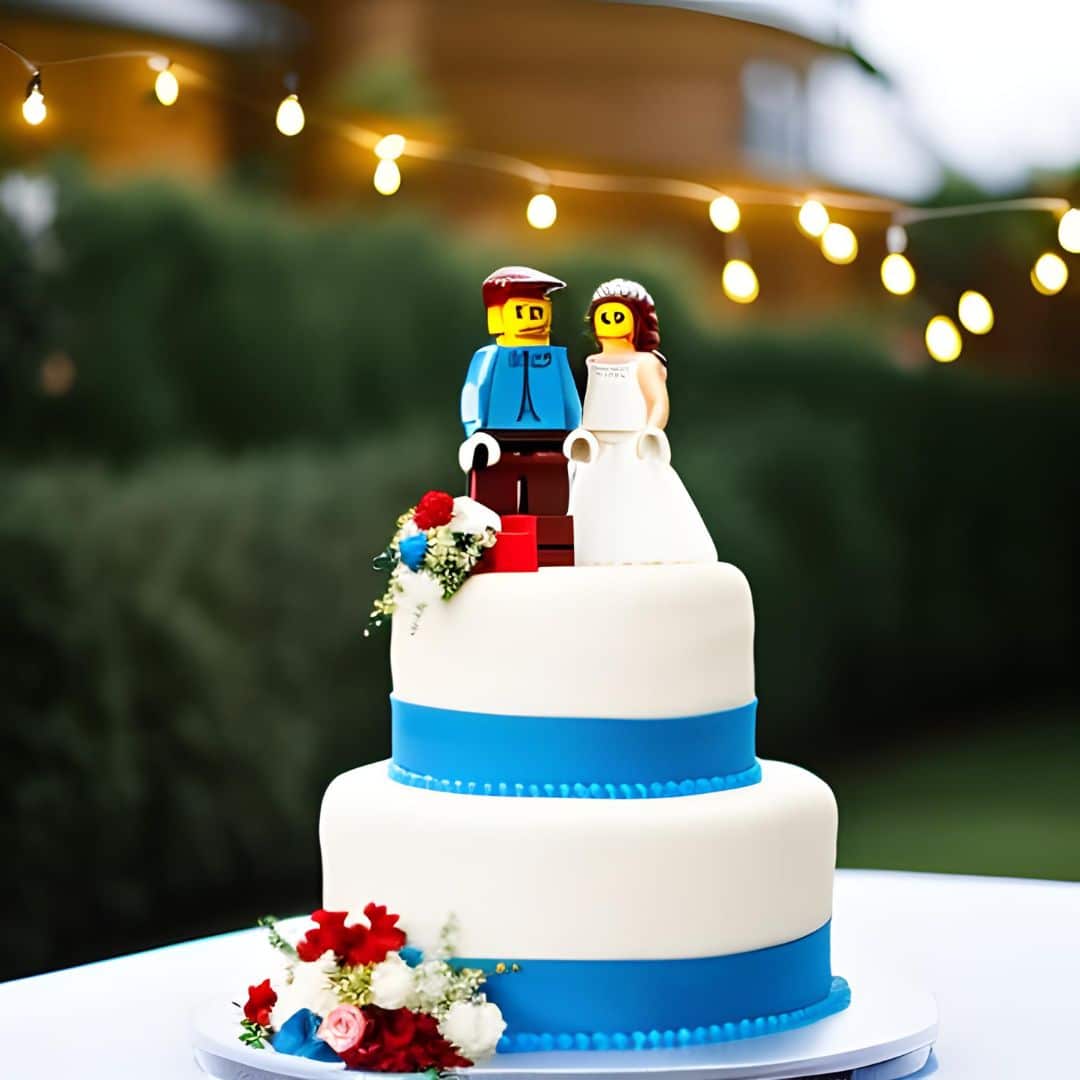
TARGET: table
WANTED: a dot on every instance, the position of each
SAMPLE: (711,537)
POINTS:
(1001,955)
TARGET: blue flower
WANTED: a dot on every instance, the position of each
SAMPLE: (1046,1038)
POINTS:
(297,1037)
(412,550)
(411,955)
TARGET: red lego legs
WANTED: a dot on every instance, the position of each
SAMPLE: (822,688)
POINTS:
(523,483)
(530,492)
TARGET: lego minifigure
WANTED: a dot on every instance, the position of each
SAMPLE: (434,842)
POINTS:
(517,405)
(628,503)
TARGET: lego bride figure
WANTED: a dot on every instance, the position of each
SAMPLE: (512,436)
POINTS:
(628,503)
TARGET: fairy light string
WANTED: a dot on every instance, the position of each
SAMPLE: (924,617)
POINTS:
(813,209)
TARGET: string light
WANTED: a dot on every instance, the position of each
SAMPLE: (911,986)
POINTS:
(813,218)
(975,312)
(541,211)
(33,108)
(1069,230)
(290,115)
(897,274)
(838,244)
(387,178)
(166,87)
(390,147)
(943,341)
(724,213)
(739,281)
(1049,273)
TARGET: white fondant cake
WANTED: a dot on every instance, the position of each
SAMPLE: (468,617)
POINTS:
(598,879)
(610,711)
(626,641)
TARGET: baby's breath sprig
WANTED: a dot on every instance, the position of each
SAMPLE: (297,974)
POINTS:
(276,940)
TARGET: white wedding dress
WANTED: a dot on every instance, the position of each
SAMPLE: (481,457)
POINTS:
(626,508)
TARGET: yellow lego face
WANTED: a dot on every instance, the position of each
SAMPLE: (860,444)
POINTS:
(613,319)
(521,321)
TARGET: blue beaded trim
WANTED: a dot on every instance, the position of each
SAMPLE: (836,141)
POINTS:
(573,756)
(655,790)
(838,999)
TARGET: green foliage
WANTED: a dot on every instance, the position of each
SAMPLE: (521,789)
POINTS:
(253,1034)
(269,923)
(392,86)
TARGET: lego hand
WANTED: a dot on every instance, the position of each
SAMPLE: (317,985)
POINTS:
(478,451)
(581,446)
(653,445)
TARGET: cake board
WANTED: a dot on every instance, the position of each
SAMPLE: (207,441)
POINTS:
(886,1033)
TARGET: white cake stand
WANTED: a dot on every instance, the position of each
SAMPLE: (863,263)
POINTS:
(887,1032)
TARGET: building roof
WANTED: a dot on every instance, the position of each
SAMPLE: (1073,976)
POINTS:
(223,24)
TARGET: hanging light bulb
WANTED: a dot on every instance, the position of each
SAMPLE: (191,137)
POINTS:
(387,178)
(390,147)
(33,108)
(739,281)
(1049,273)
(838,244)
(975,312)
(166,87)
(724,213)
(290,115)
(897,274)
(1069,230)
(943,341)
(813,218)
(541,211)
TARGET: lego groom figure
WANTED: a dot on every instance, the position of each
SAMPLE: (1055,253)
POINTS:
(518,403)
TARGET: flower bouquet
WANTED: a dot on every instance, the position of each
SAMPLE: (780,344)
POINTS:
(436,546)
(355,992)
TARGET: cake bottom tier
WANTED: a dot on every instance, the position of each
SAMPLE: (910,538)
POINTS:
(616,923)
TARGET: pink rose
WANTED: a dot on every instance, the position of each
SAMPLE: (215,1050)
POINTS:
(343,1029)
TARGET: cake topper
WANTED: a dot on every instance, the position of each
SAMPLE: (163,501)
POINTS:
(627,502)
(517,405)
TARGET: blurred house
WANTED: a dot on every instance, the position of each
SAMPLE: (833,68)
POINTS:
(725,93)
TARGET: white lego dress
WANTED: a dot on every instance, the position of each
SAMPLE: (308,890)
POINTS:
(628,508)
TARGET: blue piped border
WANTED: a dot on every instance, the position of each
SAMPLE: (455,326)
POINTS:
(655,790)
(838,999)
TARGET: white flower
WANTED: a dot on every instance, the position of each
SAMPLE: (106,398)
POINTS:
(309,989)
(418,587)
(432,981)
(473,517)
(392,983)
(474,1027)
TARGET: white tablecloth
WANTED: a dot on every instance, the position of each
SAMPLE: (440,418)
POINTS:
(1001,955)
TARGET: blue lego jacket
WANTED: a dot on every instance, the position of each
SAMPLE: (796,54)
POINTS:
(520,388)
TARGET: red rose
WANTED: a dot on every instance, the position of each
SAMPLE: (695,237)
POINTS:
(402,1041)
(435,508)
(261,999)
(357,944)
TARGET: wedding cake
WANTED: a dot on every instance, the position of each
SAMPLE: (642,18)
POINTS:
(573,777)
(574,844)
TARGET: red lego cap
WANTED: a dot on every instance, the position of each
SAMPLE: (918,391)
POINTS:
(523,279)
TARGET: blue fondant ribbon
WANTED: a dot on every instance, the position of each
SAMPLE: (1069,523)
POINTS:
(491,753)
(597,1004)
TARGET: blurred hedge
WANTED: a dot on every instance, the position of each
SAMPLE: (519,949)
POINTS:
(181,665)
(183,668)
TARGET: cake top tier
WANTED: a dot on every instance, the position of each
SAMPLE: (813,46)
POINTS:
(635,642)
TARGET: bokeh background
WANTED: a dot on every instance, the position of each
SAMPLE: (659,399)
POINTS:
(227,363)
